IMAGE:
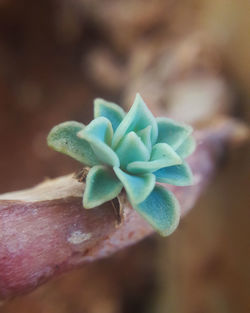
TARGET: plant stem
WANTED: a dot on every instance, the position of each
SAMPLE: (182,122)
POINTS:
(45,231)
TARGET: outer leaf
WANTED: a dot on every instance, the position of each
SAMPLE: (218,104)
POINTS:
(136,119)
(162,156)
(161,210)
(145,135)
(178,175)
(113,112)
(99,135)
(63,138)
(171,132)
(131,148)
(101,185)
(137,187)
(101,129)
(165,152)
(187,147)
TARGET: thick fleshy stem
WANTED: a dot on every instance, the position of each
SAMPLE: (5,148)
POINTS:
(44,231)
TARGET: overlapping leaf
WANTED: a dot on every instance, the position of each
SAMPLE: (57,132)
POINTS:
(63,138)
(138,118)
(99,135)
(134,151)
(161,210)
(101,186)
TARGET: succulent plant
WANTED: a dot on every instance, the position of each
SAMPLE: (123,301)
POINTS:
(134,151)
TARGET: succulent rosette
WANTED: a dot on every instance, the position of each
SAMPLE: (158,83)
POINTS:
(134,151)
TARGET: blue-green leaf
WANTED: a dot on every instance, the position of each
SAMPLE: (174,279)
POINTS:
(163,151)
(171,132)
(145,135)
(101,129)
(101,185)
(178,175)
(131,148)
(138,117)
(162,155)
(137,187)
(113,112)
(161,210)
(187,147)
(99,134)
(63,138)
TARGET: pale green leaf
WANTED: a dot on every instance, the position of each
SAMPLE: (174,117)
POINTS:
(113,112)
(172,132)
(138,118)
(178,175)
(102,185)
(63,138)
(137,187)
(161,210)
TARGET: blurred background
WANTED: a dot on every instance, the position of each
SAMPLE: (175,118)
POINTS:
(191,59)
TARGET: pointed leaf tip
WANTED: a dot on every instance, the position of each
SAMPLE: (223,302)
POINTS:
(187,147)
(145,135)
(138,118)
(162,156)
(131,148)
(101,129)
(113,112)
(178,175)
(98,134)
(172,132)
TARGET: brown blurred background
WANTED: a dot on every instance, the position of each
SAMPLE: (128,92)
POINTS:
(187,56)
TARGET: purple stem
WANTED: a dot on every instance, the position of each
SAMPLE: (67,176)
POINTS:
(41,239)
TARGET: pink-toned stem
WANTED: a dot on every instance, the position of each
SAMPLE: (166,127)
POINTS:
(44,231)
